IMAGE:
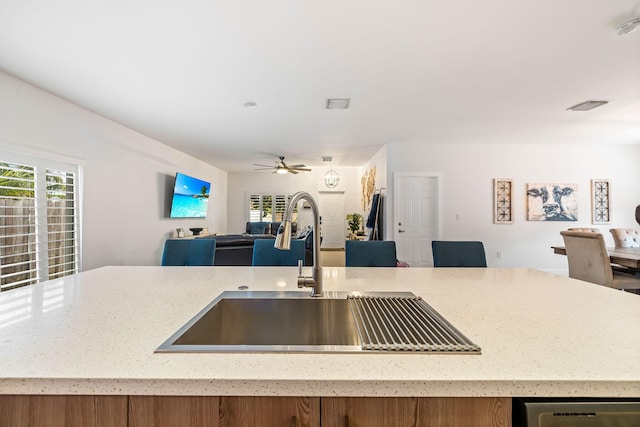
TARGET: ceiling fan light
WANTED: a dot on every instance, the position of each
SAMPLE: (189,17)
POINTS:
(628,27)
(281,171)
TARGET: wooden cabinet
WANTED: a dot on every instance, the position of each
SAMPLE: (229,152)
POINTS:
(241,411)
(224,411)
(412,411)
(63,411)
(183,411)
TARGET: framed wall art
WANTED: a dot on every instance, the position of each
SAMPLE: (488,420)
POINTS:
(600,209)
(552,202)
(502,201)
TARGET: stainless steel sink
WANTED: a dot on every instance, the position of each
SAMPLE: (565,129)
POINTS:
(296,322)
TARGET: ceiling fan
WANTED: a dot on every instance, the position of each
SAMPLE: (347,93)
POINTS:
(282,168)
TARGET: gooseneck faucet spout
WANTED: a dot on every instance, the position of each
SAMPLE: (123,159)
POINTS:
(283,241)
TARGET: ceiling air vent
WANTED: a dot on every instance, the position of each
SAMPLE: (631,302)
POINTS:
(587,105)
(338,103)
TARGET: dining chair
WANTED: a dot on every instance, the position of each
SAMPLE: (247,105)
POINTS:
(593,230)
(188,252)
(370,253)
(625,237)
(589,261)
(265,254)
(455,253)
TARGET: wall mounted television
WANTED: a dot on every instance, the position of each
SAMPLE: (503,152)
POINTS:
(190,197)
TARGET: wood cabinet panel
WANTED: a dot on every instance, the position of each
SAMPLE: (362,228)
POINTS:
(424,412)
(173,411)
(63,411)
(270,411)
(225,411)
(191,411)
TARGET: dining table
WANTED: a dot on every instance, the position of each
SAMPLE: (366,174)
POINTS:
(626,257)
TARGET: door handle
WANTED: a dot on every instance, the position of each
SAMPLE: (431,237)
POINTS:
(400,231)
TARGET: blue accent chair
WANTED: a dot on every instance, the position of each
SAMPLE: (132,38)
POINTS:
(189,252)
(458,254)
(370,253)
(265,254)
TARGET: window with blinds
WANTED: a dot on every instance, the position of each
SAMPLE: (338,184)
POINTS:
(19,263)
(62,236)
(269,207)
(38,223)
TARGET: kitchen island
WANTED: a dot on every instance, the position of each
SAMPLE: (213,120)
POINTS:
(95,333)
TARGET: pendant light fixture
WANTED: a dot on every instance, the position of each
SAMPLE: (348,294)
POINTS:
(331,178)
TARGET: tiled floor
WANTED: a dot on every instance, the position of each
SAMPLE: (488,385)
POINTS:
(332,258)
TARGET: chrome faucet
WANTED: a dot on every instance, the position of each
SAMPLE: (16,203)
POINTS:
(283,241)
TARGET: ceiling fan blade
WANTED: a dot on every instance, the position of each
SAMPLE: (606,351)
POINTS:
(282,166)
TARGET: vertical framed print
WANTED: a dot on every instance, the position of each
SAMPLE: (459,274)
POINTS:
(600,199)
(502,201)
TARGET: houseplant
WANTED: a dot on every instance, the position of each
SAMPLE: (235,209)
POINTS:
(354,220)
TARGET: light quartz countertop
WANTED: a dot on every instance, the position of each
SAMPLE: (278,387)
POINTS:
(540,334)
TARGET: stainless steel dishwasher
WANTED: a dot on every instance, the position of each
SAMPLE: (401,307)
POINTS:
(575,412)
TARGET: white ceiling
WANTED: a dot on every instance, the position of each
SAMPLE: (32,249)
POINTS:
(425,71)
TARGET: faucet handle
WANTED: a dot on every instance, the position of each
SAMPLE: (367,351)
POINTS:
(300,268)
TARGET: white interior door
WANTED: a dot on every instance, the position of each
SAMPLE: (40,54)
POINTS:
(417,216)
(333,219)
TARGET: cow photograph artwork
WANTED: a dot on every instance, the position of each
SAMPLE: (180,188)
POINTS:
(552,202)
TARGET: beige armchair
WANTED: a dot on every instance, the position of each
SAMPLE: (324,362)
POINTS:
(589,261)
(625,237)
(592,230)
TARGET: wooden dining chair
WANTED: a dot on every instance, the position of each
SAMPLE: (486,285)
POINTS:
(589,261)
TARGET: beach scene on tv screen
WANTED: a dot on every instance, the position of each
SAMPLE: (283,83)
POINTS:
(190,197)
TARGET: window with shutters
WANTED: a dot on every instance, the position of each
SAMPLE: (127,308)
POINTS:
(269,207)
(38,221)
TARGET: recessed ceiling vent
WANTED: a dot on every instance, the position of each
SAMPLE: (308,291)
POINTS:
(587,105)
(338,103)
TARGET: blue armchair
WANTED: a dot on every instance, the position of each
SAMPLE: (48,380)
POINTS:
(265,254)
(370,253)
(189,252)
(458,254)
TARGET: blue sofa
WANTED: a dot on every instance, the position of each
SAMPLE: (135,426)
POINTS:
(237,249)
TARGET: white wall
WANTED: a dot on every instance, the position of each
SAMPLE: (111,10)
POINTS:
(468,172)
(127,180)
(127,176)
(240,185)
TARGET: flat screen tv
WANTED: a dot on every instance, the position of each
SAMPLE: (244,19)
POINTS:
(190,197)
